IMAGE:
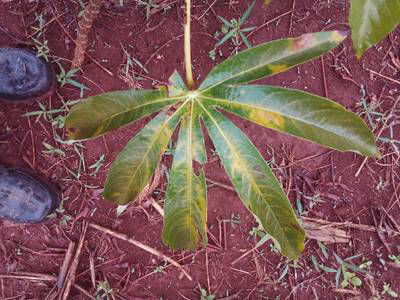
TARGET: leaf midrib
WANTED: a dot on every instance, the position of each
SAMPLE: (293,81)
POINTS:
(189,172)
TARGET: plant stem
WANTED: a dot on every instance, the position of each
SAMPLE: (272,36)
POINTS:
(188,54)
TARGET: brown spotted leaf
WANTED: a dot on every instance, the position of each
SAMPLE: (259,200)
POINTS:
(297,113)
(185,206)
(271,58)
(255,183)
(99,114)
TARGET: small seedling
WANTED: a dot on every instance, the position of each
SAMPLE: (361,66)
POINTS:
(288,264)
(104,291)
(52,150)
(233,30)
(395,259)
(159,269)
(97,165)
(66,78)
(65,219)
(61,210)
(350,278)
(387,289)
(46,113)
(42,49)
(205,295)
(323,248)
(130,61)
(41,24)
(127,70)
(149,5)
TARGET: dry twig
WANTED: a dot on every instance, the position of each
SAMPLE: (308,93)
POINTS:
(85,24)
(132,241)
(65,265)
(74,265)
(41,277)
(323,232)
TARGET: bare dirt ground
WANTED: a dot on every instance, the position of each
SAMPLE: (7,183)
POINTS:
(355,200)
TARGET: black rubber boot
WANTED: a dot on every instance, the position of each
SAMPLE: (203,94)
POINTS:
(24,76)
(24,197)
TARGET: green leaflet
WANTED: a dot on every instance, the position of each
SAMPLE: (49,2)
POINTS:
(177,86)
(300,114)
(185,206)
(134,166)
(271,58)
(255,183)
(371,21)
(99,114)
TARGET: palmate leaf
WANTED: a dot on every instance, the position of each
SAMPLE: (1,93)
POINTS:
(255,183)
(185,206)
(371,21)
(294,112)
(99,114)
(271,58)
(297,113)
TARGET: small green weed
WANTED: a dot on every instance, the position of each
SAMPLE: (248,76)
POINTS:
(47,115)
(42,49)
(66,78)
(52,150)
(104,291)
(97,165)
(41,22)
(389,291)
(204,295)
(150,4)
(159,269)
(233,30)
(395,259)
(288,264)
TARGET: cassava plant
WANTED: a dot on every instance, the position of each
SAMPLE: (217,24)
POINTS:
(192,109)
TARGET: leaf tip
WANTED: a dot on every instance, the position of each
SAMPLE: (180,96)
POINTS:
(180,244)
(70,132)
(340,35)
(359,54)
(377,154)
